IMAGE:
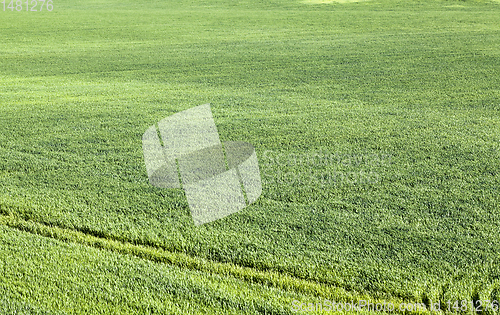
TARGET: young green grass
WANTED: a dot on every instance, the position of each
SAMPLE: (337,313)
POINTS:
(284,291)
(416,81)
(44,276)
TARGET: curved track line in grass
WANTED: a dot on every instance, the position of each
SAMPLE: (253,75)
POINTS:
(316,290)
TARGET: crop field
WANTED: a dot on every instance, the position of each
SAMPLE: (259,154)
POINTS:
(376,126)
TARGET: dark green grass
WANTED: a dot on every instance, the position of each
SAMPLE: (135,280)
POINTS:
(416,80)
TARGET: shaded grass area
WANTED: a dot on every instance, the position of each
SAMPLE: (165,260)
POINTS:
(416,80)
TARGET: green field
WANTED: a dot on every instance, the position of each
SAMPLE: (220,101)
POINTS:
(402,97)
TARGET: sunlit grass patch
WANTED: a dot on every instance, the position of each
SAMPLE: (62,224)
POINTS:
(332,1)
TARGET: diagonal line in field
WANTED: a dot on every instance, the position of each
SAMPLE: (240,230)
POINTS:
(251,275)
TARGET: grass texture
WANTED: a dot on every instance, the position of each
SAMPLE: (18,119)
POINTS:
(405,91)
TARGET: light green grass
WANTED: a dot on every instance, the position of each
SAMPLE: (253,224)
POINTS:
(416,80)
(250,283)
(64,278)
